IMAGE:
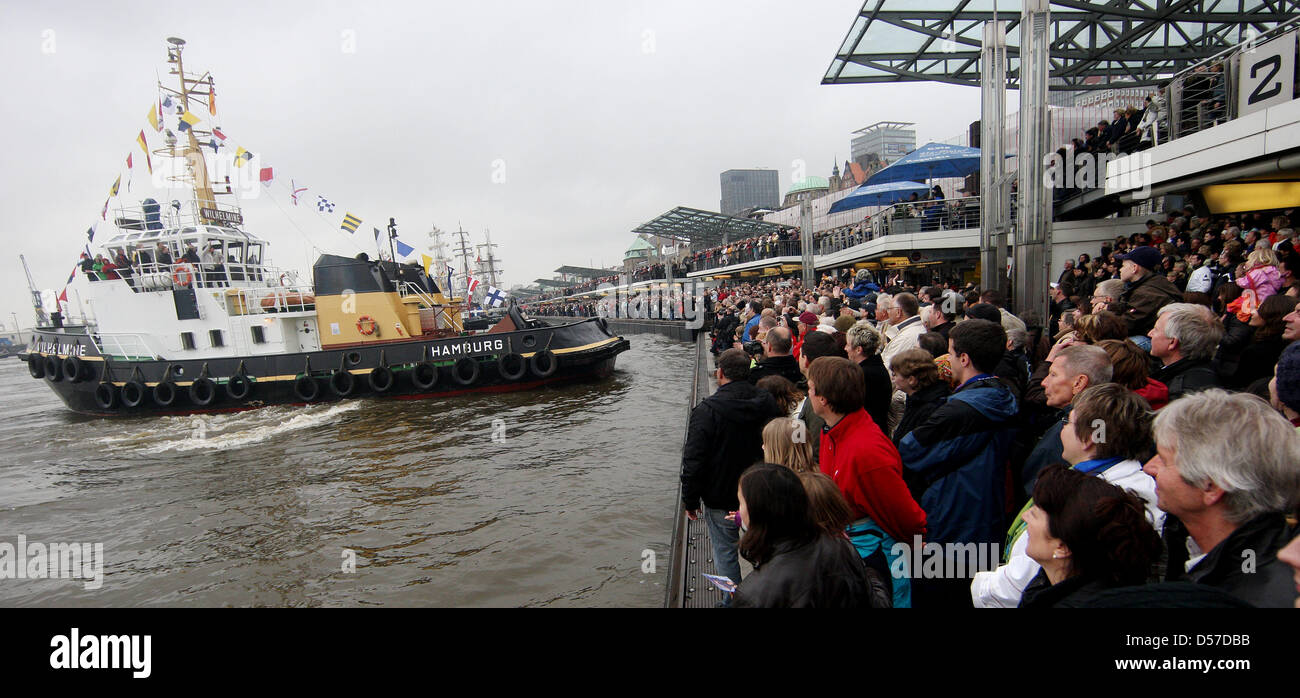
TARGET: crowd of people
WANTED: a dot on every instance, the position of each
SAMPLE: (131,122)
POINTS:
(1122,452)
(205,268)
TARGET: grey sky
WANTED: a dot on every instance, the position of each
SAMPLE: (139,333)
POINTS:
(605,114)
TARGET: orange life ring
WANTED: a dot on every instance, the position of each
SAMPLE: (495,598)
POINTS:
(183,275)
(284,280)
(362,325)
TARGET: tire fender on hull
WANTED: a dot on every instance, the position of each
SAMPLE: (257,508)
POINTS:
(544,363)
(465,371)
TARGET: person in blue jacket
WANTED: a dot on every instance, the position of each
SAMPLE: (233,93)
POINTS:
(960,453)
(862,286)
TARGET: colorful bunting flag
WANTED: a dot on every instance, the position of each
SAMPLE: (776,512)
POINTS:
(187,122)
(104,213)
(90,233)
(212,99)
(117,183)
(242,156)
(450,272)
(130,172)
(471,283)
(167,102)
(153,117)
(495,297)
(295,191)
(217,132)
(350,223)
(426,260)
(265,175)
(324,205)
(144,146)
(403,249)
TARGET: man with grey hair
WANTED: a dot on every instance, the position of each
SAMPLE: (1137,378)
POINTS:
(903,315)
(1283,235)
(1228,467)
(1074,369)
(1106,295)
(1184,339)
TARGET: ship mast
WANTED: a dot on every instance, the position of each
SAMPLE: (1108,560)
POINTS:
(196,166)
(463,251)
(489,265)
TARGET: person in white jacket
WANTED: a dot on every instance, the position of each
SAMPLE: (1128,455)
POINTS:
(1108,434)
(904,314)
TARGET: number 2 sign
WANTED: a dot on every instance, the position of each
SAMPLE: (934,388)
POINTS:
(1267,75)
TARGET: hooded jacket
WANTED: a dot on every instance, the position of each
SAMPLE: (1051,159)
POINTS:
(961,450)
(860,290)
(725,436)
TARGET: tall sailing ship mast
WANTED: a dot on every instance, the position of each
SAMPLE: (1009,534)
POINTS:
(489,266)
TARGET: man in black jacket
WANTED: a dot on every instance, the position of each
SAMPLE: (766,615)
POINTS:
(777,359)
(1228,467)
(1184,340)
(725,437)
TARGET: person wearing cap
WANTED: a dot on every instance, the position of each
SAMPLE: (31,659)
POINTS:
(807,323)
(1145,293)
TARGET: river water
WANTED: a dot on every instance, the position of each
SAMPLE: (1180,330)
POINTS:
(554,505)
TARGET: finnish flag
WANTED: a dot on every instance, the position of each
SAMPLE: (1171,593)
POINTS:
(495,297)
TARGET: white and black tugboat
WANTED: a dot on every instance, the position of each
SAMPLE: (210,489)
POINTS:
(230,332)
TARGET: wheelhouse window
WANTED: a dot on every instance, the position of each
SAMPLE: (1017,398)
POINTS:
(187,340)
(215,336)
(259,337)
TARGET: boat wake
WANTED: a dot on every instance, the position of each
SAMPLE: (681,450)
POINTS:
(227,431)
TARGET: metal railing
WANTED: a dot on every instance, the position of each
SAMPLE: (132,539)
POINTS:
(162,215)
(152,276)
(902,219)
(743,251)
(273,299)
(124,347)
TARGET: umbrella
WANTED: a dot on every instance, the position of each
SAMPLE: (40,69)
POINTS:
(930,161)
(878,195)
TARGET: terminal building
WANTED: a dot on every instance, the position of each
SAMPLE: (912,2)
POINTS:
(746,190)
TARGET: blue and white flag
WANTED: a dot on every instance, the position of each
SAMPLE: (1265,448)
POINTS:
(450,271)
(495,297)
(403,249)
(324,205)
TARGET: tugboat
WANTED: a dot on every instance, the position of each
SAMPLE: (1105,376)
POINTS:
(231,332)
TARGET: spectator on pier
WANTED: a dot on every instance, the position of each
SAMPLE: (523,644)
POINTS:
(1088,535)
(863,347)
(1184,339)
(724,438)
(777,359)
(961,451)
(1108,434)
(1145,293)
(1228,467)
(1266,346)
(1131,369)
(787,395)
(903,315)
(817,345)
(796,564)
(917,376)
(996,299)
(1073,370)
(857,455)
(1284,388)
(786,442)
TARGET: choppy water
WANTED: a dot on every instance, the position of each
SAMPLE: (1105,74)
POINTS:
(257,508)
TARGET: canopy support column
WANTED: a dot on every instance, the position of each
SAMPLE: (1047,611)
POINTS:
(806,243)
(995,208)
(1034,205)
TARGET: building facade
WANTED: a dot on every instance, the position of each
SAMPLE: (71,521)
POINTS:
(744,190)
(884,141)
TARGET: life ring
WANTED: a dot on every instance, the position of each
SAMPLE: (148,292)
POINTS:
(203,391)
(53,369)
(504,363)
(342,383)
(133,393)
(462,365)
(284,280)
(424,375)
(36,366)
(381,379)
(164,393)
(544,363)
(183,275)
(105,396)
(74,369)
(239,387)
(367,325)
(305,388)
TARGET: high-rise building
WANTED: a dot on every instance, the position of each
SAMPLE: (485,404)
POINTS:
(884,141)
(744,190)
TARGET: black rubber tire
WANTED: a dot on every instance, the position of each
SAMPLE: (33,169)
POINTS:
(342,383)
(105,396)
(462,365)
(424,375)
(203,391)
(164,393)
(503,366)
(133,394)
(74,369)
(544,363)
(53,369)
(306,388)
(36,366)
(244,389)
(382,379)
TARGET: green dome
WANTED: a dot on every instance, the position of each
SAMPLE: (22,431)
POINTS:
(638,248)
(809,184)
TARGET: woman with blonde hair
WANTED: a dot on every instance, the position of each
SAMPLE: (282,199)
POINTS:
(785,442)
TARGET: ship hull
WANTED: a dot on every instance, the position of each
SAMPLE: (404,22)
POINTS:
(496,362)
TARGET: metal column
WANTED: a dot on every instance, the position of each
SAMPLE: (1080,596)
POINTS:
(1030,269)
(995,208)
(806,242)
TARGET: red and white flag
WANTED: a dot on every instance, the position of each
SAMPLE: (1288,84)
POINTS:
(471,284)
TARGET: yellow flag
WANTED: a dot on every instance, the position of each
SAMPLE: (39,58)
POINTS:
(239,156)
(189,118)
(153,118)
(427,261)
(117,184)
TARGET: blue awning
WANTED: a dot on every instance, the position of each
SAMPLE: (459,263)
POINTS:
(930,161)
(878,195)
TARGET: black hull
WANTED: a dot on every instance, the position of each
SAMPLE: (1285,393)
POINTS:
(581,351)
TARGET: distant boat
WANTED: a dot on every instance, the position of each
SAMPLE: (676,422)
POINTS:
(175,332)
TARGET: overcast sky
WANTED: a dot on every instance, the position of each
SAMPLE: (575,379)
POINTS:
(558,125)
